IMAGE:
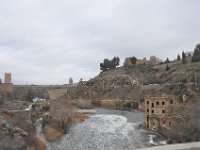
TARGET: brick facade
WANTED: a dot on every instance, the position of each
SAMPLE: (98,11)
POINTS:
(159,112)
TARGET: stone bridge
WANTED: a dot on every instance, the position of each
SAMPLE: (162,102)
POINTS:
(44,91)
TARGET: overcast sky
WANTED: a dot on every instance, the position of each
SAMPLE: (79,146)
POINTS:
(48,41)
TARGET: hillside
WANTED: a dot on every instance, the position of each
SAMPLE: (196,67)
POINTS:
(137,81)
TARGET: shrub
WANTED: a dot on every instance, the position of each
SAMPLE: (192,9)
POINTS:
(52,134)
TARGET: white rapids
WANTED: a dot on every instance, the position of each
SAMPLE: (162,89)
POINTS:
(101,132)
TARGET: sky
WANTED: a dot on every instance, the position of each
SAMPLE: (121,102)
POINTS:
(49,41)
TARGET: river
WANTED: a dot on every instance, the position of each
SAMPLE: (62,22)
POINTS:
(108,130)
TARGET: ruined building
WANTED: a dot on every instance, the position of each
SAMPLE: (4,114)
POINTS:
(7,85)
(159,112)
(143,61)
(152,61)
(8,78)
(127,62)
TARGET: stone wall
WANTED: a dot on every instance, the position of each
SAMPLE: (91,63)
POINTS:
(6,87)
(56,93)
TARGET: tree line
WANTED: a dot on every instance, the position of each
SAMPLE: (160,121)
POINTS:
(113,63)
(109,64)
(194,58)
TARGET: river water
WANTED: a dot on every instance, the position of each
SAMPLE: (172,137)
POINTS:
(108,130)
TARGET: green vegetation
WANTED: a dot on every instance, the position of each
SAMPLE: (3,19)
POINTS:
(133,60)
(184,61)
(178,58)
(167,68)
(145,69)
(109,64)
(177,91)
(187,129)
(196,55)
(167,61)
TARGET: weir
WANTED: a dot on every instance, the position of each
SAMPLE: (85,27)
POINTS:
(107,129)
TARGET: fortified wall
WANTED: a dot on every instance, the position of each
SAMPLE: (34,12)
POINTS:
(152,61)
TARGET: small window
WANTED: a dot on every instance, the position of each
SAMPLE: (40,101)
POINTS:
(171,101)
(147,102)
(163,111)
(152,105)
(147,110)
(152,111)
(163,122)
(163,103)
(170,123)
(157,103)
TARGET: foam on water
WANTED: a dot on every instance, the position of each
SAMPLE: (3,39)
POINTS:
(100,132)
(151,140)
(103,123)
(28,108)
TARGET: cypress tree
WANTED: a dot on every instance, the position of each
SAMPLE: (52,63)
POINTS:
(167,68)
(178,58)
(196,54)
(184,61)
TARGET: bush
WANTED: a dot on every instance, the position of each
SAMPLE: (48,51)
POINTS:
(52,134)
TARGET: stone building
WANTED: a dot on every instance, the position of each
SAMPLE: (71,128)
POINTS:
(8,78)
(127,62)
(143,61)
(159,112)
(7,85)
(152,61)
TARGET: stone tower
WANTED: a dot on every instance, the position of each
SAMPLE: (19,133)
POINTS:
(71,81)
(8,78)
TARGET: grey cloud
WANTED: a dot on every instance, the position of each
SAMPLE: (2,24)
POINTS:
(48,41)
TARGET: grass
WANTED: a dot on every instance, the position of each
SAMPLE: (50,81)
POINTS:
(145,68)
(52,134)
